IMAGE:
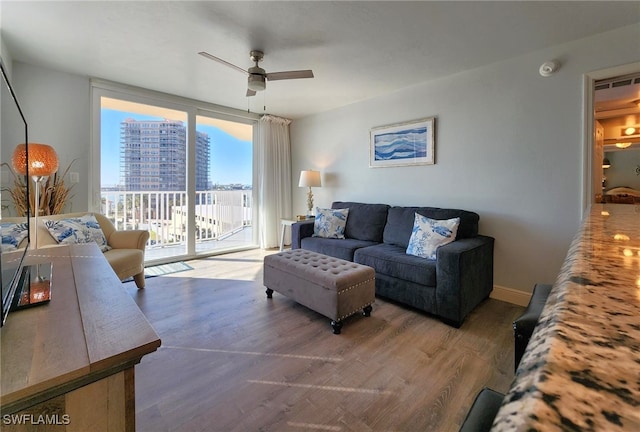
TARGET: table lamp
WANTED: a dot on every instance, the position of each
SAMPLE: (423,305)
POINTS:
(38,161)
(309,178)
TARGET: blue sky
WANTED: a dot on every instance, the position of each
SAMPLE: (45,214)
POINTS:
(230,158)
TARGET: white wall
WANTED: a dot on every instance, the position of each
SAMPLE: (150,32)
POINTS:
(509,146)
(56,106)
(6,57)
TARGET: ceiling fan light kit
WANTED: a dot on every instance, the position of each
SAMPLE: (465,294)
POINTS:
(256,76)
(256,82)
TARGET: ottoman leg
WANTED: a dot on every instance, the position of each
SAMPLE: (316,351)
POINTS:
(336,326)
(269,292)
(366,311)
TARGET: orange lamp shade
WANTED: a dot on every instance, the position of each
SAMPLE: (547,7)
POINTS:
(43,160)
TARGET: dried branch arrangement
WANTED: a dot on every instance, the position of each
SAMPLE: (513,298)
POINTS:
(54,193)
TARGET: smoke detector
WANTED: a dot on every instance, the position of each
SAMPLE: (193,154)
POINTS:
(549,68)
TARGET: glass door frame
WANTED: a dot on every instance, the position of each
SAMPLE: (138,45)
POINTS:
(193,108)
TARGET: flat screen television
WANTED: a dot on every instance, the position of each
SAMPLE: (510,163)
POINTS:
(13,131)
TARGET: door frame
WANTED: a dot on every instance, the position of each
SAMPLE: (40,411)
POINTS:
(588,139)
(192,108)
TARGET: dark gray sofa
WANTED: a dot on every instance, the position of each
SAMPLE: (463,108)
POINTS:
(377,235)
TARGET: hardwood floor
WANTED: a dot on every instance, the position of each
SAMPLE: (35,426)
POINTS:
(231,360)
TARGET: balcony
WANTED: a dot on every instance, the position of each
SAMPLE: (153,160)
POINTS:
(223,220)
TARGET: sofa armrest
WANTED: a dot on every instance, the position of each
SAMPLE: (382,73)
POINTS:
(128,239)
(300,230)
(464,276)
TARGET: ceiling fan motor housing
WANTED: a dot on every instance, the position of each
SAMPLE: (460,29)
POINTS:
(256,82)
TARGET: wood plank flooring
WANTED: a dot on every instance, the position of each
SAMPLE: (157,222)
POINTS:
(231,360)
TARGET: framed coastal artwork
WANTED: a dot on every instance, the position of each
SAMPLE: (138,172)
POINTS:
(403,144)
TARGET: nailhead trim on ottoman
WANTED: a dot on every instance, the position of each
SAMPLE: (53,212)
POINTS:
(333,287)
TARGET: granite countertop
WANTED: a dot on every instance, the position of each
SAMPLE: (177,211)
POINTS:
(581,369)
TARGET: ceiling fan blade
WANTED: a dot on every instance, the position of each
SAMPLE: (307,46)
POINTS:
(219,60)
(273,76)
(251,92)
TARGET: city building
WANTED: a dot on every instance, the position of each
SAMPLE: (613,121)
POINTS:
(153,156)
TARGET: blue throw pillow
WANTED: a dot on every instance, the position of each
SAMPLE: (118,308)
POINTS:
(429,234)
(85,229)
(330,223)
(12,235)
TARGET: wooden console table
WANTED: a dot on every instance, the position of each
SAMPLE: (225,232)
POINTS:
(69,365)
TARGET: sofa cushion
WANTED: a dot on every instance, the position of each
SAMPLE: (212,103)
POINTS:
(12,235)
(84,229)
(400,223)
(429,234)
(330,223)
(365,222)
(338,248)
(393,261)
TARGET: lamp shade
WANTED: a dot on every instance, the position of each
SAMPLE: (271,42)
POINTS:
(310,178)
(42,160)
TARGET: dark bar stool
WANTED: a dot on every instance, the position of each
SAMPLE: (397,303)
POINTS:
(524,325)
(483,411)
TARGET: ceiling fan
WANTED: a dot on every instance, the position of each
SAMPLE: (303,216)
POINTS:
(257,77)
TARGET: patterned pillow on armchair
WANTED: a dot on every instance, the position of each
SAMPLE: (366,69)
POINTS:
(85,229)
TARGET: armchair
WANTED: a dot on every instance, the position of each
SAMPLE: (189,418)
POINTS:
(127,254)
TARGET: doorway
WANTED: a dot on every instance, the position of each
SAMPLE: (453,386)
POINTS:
(612,131)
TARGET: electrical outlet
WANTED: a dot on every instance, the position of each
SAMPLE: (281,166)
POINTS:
(74,177)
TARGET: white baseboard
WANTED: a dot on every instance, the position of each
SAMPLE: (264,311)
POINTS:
(510,295)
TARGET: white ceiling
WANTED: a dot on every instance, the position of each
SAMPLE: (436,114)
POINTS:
(357,50)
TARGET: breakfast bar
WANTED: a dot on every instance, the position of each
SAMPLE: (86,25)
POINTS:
(581,369)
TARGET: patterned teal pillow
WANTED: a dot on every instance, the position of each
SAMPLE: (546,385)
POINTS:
(84,229)
(330,223)
(429,234)
(12,235)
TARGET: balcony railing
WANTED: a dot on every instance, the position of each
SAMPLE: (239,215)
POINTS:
(219,214)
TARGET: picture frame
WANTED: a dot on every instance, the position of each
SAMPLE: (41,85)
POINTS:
(403,144)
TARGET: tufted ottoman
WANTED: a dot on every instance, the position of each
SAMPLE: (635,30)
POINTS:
(333,287)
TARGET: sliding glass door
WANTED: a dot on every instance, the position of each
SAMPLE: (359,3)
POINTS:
(224,208)
(180,172)
(143,172)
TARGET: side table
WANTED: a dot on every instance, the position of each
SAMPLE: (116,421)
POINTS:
(285,223)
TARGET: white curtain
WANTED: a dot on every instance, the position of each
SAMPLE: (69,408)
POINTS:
(273,178)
